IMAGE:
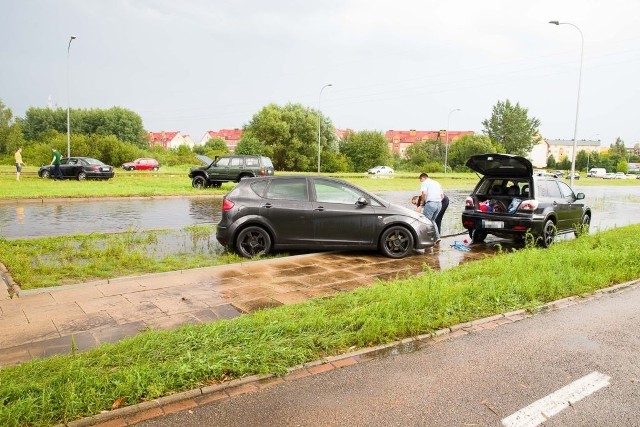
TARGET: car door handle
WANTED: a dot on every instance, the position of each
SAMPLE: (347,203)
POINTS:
(320,209)
(267,205)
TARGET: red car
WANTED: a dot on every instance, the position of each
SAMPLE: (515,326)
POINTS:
(143,164)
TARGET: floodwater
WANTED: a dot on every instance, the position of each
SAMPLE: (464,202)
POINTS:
(611,206)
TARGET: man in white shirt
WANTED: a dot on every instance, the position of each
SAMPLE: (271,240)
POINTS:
(431,196)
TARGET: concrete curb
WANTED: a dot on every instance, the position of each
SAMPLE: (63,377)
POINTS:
(190,399)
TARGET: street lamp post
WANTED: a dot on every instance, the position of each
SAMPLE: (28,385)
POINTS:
(319,129)
(446,145)
(575,129)
(68,101)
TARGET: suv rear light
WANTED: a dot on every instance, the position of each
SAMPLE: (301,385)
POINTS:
(227,205)
(528,205)
(468,202)
(262,172)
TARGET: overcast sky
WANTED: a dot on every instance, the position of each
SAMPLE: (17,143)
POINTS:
(198,65)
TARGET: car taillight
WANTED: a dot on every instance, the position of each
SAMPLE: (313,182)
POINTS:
(468,202)
(262,172)
(96,168)
(227,205)
(528,205)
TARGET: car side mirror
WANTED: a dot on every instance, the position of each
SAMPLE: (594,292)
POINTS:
(362,201)
(580,196)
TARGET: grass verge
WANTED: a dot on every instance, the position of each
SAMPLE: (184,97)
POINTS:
(154,364)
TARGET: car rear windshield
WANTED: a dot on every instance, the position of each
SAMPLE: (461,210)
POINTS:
(266,162)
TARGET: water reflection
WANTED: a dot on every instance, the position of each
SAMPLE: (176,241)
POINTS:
(58,218)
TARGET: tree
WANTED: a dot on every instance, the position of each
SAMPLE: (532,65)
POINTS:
(467,146)
(510,127)
(582,159)
(291,133)
(551,161)
(251,145)
(426,156)
(124,124)
(212,148)
(10,132)
(365,150)
(618,148)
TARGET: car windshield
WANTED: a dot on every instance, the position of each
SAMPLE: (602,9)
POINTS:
(204,159)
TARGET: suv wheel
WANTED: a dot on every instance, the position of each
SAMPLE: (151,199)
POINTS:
(477,236)
(253,241)
(396,242)
(199,182)
(549,232)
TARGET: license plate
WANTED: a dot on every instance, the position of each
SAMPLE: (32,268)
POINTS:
(493,224)
(104,169)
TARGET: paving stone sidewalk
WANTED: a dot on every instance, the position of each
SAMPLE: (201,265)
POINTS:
(51,321)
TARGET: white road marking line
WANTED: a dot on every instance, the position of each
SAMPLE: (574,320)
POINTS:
(543,409)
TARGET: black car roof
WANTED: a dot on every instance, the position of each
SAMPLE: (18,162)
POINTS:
(500,165)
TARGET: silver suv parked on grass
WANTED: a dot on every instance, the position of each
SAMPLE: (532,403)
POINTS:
(511,201)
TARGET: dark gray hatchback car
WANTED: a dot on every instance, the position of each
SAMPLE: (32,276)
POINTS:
(511,201)
(317,213)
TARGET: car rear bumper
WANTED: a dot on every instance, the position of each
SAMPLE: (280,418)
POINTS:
(502,224)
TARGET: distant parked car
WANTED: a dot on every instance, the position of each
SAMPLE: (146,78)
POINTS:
(609,175)
(79,168)
(229,168)
(317,213)
(511,201)
(143,164)
(576,175)
(380,170)
(620,175)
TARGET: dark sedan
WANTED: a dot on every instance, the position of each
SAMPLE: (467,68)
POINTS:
(317,213)
(79,168)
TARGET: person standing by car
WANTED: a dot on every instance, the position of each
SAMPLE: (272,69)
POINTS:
(19,162)
(445,205)
(431,196)
(55,161)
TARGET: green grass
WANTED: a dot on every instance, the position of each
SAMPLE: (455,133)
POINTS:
(54,261)
(173,181)
(154,364)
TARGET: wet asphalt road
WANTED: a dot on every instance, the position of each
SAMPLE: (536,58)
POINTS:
(475,380)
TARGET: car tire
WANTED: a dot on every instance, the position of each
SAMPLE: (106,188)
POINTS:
(253,241)
(199,182)
(81,176)
(548,235)
(583,227)
(477,236)
(155,168)
(396,242)
(46,174)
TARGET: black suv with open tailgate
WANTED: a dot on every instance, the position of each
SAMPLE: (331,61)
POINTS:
(229,168)
(511,201)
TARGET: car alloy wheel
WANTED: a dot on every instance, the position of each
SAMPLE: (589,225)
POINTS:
(82,176)
(396,242)
(253,241)
(46,174)
(548,233)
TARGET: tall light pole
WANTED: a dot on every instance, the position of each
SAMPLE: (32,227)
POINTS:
(68,101)
(319,115)
(446,145)
(575,129)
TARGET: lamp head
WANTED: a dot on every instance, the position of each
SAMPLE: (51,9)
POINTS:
(73,37)
(554,22)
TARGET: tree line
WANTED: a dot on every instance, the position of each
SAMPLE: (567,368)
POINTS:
(287,134)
